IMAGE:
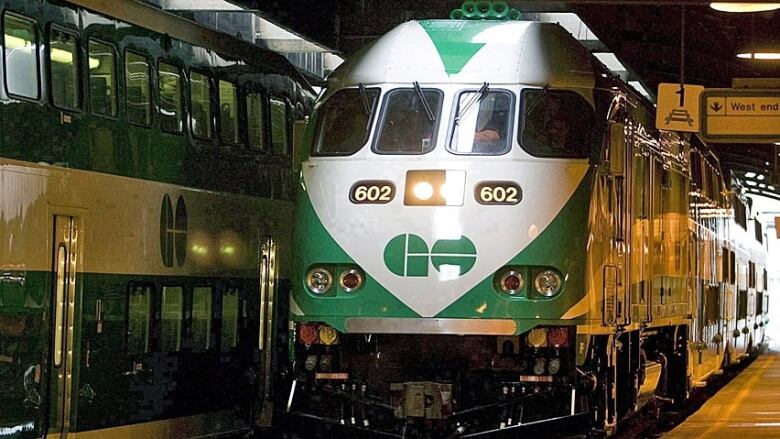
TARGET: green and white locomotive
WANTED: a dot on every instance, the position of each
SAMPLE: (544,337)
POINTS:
(492,237)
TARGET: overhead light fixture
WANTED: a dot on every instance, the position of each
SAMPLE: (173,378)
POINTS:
(759,55)
(745,7)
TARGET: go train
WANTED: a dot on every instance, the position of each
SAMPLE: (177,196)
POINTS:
(493,238)
(146,186)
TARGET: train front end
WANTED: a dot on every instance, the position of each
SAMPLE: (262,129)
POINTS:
(442,234)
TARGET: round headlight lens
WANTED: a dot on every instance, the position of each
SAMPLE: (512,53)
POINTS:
(548,283)
(319,280)
(512,282)
(350,280)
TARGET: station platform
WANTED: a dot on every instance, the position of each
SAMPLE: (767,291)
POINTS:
(747,407)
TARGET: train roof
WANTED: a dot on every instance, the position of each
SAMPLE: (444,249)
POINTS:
(462,51)
(188,31)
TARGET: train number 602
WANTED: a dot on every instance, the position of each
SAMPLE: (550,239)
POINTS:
(498,192)
(372,192)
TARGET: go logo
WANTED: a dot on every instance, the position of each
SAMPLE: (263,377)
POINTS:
(408,256)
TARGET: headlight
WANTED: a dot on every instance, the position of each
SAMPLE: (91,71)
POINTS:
(511,282)
(548,283)
(350,280)
(319,280)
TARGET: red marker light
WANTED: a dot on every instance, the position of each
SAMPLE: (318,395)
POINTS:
(308,334)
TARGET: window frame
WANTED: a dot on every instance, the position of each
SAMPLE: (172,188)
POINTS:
(53,27)
(152,290)
(34,23)
(182,100)
(369,131)
(88,95)
(287,126)
(265,110)
(377,129)
(210,77)
(521,123)
(222,141)
(510,129)
(210,342)
(152,85)
(182,316)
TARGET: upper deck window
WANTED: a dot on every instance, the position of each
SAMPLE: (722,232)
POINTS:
(482,123)
(344,121)
(228,111)
(63,69)
(200,105)
(102,79)
(170,89)
(410,119)
(20,41)
(556,124)
(279,127)
(138,89)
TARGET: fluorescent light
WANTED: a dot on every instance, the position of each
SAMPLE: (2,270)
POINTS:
(610,60)
(750,174)
(759,55)
(640,88)
(744,7)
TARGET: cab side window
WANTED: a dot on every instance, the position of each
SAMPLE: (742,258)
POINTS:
(102,78)
(556,124)
(20,43)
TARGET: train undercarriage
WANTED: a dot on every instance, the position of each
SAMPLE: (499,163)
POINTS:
(431,386)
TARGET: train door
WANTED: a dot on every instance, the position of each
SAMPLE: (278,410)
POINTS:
(641,236)
(268,274)
(65,257)
(658,254)
(616,272)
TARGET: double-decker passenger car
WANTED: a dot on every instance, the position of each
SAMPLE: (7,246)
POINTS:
(492,237)
(145,221)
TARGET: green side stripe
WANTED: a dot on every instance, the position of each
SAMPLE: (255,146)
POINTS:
(453,41)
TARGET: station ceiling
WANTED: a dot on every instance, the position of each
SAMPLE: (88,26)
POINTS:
(645,36)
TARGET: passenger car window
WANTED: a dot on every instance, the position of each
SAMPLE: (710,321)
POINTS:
(200,105)
(255,113)
(138,312)
(228,112)
(556,124)
(63,69)
(137,87)
(229,319)
(20,42)
(279,127)
(406,127)
(102,79)
(344,121)
(481,124)
(169,86)
(170,319)
(201,319)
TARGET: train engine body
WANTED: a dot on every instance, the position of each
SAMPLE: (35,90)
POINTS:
(484,222)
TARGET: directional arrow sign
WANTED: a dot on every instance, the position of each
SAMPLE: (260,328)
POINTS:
(740,115)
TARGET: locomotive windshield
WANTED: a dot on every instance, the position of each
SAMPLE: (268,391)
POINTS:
(556,124)
(344,121)
(407,127)
(485,131)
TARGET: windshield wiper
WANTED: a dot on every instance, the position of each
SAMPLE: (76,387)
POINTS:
(424,101)
(530,107)
(478,96)
(364,96)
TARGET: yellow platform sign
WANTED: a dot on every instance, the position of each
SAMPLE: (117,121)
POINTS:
(740,115)
(674,115)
